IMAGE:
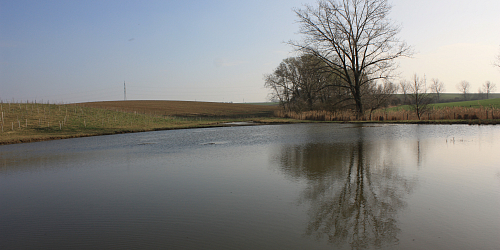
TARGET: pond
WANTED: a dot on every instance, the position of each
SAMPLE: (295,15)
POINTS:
(299,186)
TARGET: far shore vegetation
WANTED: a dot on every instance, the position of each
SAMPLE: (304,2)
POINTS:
(486,111)
(344,69)
(31,121)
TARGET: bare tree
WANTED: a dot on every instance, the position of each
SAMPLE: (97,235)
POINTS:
(298,82)
(437,87)
(380,95)
(464,87)
(419,97)
(489,87)
(355,39)
(404,86)
(497,61)
(281,89)
(480,94)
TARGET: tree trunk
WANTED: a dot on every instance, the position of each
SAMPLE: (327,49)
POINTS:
(357,100)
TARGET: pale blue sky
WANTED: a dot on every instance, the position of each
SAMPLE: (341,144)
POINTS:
(74,51)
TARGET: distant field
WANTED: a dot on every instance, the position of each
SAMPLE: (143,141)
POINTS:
(186,108)
(451,96)
(489,103)
(457,97)
(494,103)
(265,103)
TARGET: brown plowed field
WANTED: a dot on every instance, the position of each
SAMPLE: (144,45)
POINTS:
(186,108)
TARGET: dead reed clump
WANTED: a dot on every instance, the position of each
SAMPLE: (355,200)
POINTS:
(464,113)
(318,115)
(448,113)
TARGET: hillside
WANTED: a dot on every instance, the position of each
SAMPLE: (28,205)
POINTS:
(186,108)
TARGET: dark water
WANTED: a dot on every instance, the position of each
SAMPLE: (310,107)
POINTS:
(317,186)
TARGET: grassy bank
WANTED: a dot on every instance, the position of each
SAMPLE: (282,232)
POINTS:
(28,122)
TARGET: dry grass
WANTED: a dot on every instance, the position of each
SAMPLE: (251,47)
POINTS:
(27,122)
(444,114)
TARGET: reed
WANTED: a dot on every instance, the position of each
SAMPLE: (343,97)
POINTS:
(435,114)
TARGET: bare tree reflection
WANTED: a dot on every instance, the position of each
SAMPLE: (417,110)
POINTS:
(354,193)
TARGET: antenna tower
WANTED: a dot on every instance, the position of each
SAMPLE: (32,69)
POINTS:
(124,92)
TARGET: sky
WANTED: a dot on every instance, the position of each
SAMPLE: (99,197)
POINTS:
(78,51)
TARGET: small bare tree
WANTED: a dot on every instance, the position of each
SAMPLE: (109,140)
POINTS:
(489,87)
(404,86)
(281,90)
(355,39)
(497,61)
(380,95)
(298,82)
(419,97)
(464,88)
(437,87)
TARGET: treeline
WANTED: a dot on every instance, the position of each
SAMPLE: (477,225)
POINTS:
(346,62)
(346,58)
(306,83)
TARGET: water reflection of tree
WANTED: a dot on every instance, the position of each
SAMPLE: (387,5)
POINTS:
(354,192)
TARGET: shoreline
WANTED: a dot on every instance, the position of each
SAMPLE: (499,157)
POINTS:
(40,137)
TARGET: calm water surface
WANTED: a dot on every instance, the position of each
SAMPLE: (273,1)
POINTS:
(302,186)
